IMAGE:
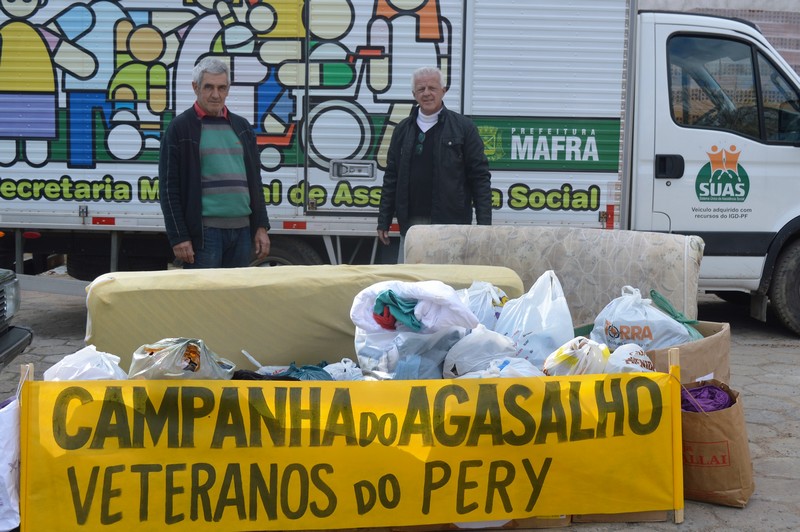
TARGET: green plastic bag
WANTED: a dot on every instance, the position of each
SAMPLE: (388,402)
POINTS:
(665,306)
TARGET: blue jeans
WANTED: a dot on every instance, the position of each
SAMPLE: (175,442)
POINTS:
(223,248)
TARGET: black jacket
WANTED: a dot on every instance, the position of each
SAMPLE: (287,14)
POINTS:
(461,174)
(179,177)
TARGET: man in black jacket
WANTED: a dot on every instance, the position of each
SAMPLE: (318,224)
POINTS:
(210,179)
(436,171)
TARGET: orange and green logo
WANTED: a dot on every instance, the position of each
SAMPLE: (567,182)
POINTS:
(722,178)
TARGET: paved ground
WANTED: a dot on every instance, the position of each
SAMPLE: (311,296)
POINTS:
(765,368)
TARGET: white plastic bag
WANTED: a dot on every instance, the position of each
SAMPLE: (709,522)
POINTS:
(179,358)
(345,370)
(507,367)
(629,358)
(437,306)
(9,464)
(539,321)
(579,356)
(474,352)
(485,301)
(632,319)
(86,364)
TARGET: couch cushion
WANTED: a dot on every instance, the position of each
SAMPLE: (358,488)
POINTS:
(592,264)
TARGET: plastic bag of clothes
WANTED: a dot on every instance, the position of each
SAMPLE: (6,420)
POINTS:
(579,356)
(9,464)
(345,370)
(629,358)
(539,321)
(485,301)
(664,304)
(422,306)
(405,329)
(631,318)
(506,367)
(86,365)
(403,355)
(476,350)
(179,358)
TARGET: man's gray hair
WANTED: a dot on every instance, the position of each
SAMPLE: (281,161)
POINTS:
(210,65)
(426,71)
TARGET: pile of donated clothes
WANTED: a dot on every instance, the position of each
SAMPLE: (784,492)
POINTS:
(428,330)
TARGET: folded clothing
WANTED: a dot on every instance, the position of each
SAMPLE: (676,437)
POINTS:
(707,398)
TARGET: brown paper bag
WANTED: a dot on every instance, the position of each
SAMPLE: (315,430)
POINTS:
(716,455)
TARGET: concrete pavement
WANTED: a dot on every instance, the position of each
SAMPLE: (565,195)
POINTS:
(765,369)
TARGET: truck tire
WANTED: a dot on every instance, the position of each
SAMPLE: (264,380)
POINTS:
(86,267)
(7,260)
(785,290)
(289,252)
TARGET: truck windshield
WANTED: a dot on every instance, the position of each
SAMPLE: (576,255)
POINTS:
(716,83)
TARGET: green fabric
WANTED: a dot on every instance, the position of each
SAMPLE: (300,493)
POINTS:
(222,170)
(402,309)
(664,305)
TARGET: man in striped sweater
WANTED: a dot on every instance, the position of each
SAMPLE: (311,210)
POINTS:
(210,179)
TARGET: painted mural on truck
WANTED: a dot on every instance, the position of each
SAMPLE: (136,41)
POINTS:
(99,81)
(88,88)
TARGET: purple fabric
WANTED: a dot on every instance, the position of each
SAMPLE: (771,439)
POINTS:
(709,398)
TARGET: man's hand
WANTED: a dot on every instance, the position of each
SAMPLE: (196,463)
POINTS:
(184,252)
(261,243)
(383,236)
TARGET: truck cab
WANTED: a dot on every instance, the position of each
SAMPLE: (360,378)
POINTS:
(715,152)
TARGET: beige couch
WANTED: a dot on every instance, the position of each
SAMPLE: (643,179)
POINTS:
(280,315)
(592,264)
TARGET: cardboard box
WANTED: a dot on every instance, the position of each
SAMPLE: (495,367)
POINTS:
(556,521)
(629,517)
(527,523)
(708,358)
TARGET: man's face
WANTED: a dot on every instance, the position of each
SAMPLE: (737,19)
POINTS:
(211,93)
(428,93)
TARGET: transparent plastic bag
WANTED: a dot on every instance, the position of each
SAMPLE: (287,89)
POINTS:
(179,358)
(403,355)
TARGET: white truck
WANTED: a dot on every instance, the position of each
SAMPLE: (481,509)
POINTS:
(593,114)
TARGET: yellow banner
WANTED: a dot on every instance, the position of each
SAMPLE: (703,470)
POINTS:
(239,455)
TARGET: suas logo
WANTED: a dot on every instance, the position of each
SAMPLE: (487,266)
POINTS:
(722,178)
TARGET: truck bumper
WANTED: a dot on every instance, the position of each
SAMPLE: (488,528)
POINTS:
(13,343)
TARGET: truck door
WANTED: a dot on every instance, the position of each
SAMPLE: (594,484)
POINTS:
(726,125)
